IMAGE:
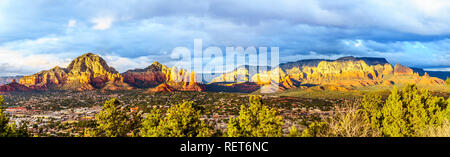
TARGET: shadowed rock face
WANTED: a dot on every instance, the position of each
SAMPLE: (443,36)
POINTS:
(86,72)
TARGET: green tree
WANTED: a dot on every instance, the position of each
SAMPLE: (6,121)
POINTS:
(116,121)
(182,120)
(256,120)
(8,129)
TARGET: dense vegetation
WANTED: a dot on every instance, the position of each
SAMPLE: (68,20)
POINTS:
(409,112)
(184,120)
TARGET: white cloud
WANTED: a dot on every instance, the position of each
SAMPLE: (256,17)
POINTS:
(358,43)
(431,7)
(19,63)
(437,69)
(72,23)
(142,28)
(102,23)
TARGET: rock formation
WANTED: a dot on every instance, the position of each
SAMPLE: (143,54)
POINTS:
(87,72)
(158,74)
(90,71)
(343,72)
(46,79)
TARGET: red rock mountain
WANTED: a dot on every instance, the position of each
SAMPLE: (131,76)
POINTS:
(163,77)
(346,72)
(90,71)
(86,72)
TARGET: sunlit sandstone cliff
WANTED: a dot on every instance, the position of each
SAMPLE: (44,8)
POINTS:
(86,72)
(343,72)
(90,71)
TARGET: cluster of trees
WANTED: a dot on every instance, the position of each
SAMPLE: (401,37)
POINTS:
(184,120)
(8,129)
(409,112)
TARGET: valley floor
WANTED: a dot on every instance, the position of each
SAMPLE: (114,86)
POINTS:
(64,113)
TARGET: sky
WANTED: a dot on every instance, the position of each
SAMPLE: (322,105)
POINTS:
(40,34)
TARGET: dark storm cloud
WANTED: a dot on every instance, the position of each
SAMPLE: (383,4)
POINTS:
(411,32)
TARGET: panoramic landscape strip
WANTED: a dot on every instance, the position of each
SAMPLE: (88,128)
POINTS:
(347,97)
(248,75)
